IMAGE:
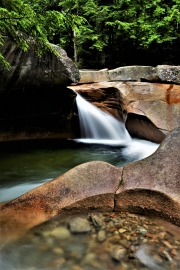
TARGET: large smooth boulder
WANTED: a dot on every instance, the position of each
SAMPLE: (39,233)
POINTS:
(28,70)
(133,73)
(87,187)
(152,185)
(34,100)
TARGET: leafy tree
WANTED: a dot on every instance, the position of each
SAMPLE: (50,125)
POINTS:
(96,33)
(23,26)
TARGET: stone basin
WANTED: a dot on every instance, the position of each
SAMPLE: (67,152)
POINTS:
(149,186)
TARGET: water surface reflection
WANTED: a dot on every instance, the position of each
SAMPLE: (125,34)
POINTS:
(27,164)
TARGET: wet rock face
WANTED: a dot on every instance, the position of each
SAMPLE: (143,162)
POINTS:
(34,100)
(108,99)
(160,103)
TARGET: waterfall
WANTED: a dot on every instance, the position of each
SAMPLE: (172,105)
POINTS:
(98,126)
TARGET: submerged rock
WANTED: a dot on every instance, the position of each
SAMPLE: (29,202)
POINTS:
(118,253)
(79,225)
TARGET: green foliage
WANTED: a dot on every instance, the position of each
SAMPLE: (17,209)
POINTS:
(21,24)
(103,32)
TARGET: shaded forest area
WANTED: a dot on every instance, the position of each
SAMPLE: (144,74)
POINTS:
(97,33)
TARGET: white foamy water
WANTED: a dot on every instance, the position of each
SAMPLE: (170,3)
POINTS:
(138,149)
(143,254)
(98,127)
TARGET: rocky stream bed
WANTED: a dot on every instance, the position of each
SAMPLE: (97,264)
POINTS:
(102,241)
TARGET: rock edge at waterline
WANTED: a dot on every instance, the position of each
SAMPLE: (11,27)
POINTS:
(149,186)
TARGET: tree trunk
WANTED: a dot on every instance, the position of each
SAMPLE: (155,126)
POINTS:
(75,47)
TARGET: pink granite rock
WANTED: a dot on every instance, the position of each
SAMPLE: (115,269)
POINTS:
(152,185)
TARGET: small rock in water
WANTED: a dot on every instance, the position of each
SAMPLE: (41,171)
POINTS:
(101,236)
(97,221)
(110,225)
(141,230)
(60,233)
(58,251)
(122,230)
(79,225)
(90,262)
(118,253)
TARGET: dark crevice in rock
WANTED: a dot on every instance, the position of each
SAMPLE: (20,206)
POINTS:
(141,127)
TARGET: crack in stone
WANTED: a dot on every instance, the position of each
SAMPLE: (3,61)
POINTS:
(120,183)
(141,111)
(163,129)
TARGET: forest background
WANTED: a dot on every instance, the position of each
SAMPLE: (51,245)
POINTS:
(96,33)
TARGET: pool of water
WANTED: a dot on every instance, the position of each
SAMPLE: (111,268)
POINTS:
(27,164)
(122,241)
(98,241)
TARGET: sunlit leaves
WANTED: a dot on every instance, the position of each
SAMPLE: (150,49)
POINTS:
(99,26)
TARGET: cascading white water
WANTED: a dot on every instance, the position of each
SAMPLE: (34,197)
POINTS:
(98,126)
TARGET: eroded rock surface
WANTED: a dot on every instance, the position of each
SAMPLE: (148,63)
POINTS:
(90,186)
(140,126)
(160,103)
(153,184)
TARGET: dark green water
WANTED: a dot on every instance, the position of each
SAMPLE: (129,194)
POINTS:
(27,164)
